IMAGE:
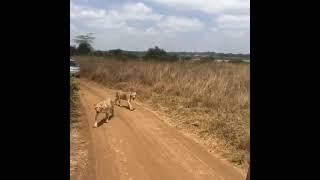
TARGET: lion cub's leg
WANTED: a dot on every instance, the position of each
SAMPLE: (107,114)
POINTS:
(130,106)
(117,101)
(112,110)
(108,117)
(95,120)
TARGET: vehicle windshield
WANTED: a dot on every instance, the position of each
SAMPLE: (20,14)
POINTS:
(73,63)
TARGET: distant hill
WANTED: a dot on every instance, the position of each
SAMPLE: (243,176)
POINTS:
(213,54)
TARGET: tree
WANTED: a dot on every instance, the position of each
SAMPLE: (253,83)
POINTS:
(84,43)
(84,48)
(116,52)
(160,54)
(156,53)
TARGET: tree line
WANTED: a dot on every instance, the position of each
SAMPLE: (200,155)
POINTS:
(84,47)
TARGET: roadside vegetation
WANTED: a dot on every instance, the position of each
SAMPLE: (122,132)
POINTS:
(78,140)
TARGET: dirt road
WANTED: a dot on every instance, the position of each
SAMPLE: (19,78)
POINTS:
(137,145)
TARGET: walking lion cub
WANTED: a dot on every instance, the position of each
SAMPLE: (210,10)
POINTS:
(106,106)
(126,96)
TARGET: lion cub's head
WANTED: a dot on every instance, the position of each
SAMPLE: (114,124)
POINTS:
(133,95)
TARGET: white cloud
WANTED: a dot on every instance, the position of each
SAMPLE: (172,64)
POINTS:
(179,24)
(232,26)
(116,18)
(93,17)
(135,11)
(137,8)
(209,6)
(74,29)
(214,29)
(170,25)
(231,17)
(151,31)
(235,34)
(233,22)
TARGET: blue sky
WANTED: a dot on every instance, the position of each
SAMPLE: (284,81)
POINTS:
(174,25)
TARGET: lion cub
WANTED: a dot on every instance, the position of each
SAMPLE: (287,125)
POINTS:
(106,106)
(127,96)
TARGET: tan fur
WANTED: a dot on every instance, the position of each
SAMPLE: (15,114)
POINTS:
(127,96)
(107,107)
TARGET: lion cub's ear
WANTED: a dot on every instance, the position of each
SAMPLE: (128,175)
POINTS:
(94,104)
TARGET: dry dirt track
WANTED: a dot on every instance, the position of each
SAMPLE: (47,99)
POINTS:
(137,145)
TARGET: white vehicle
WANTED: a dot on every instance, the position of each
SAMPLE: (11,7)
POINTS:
(74,68)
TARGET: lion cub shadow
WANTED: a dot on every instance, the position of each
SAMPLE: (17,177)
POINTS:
(126,107)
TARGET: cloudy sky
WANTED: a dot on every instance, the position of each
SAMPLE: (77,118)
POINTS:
(174,25)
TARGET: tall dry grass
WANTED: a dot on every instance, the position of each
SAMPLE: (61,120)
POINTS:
(211,99)
(74,97)
(78,140)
